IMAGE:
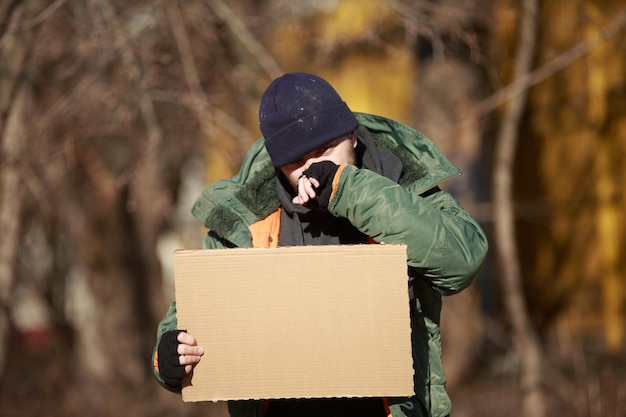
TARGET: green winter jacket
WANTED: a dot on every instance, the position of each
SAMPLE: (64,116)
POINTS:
(445,246)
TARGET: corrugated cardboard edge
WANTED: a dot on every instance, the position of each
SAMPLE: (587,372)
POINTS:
(317,264)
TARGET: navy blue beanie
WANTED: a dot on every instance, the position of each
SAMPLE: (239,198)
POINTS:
(300,112)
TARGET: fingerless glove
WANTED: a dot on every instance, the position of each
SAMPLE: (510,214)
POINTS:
(170,368)
(323,172)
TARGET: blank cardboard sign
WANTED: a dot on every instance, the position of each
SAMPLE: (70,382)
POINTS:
(296,322)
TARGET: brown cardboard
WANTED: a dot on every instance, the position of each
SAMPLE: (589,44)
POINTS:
(296,322)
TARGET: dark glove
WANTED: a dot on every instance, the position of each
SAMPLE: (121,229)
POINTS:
(170,368)
(323,172)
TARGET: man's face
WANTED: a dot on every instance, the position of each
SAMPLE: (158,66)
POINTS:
(340,151)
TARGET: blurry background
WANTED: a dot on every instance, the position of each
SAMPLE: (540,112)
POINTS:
(114,114)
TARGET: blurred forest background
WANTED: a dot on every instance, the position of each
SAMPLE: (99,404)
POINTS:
(114,114)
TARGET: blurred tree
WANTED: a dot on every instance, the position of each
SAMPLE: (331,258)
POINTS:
(525,337)
(100,112)
(553,243)
(15,96)
(571,204)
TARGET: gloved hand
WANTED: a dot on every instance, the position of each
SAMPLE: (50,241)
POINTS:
(323,172)
(170,368)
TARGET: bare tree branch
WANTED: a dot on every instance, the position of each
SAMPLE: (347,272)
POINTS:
(184,48)
(28,25)
(217,116)
(148,168)
(531,78)
(197,99)
(239,29)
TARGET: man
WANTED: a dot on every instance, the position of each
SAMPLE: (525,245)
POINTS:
(325,175)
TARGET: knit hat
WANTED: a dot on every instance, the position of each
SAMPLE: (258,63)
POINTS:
(300,112)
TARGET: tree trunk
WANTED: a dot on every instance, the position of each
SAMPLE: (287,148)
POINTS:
(11,199)
(14,52)
(525,338)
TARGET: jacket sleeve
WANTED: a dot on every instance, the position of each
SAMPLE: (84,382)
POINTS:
(444,244)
